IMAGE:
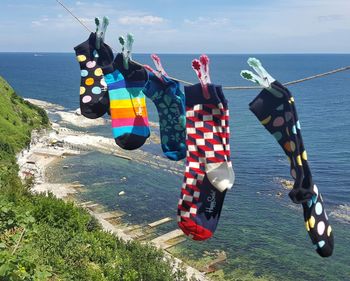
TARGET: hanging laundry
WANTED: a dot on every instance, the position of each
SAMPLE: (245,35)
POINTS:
(275,109)
(220,173)
(170,103)
(94,100)
(207,142)
(127,103)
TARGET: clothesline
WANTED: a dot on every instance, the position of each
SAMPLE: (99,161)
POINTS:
(225,87)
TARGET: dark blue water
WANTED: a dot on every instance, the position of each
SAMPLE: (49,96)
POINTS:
(263,236)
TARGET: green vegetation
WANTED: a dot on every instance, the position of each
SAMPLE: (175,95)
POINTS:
(17,119)
(44,238)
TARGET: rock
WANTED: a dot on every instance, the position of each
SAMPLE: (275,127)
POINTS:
(279,194)
(78,111)
(287,184)
(121,193)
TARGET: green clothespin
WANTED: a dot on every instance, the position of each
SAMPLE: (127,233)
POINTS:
(101,30)
(263,78)
(126,48)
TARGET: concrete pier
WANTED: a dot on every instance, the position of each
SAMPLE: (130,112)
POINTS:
(159,222)
(163,241)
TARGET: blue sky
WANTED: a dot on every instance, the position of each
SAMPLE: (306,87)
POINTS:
(182,26)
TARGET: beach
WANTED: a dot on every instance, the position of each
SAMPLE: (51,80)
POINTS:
(52,145)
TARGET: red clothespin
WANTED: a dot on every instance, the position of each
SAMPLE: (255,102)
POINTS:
(159,72)
(204,59)
(201,67)
(158,64)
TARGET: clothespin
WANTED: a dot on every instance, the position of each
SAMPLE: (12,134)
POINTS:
(263,78)
(159,71)
(204,60)
(201,67)
(126,52)
(126,48)
(158,64)
(101,31)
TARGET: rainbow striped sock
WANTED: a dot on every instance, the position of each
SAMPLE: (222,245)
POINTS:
(127,103)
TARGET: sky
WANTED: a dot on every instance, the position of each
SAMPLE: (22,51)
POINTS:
(181,26)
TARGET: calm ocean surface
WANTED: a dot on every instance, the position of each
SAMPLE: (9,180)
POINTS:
(263,235)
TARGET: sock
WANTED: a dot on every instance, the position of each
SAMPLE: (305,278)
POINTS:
(127,103)
(317,224)
(94,100)
(275,109)
(200,203)
(170,103)
(220,173)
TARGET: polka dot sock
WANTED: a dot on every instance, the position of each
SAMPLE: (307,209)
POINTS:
(94,100)
(200,201)
(275,109)
(317,224)
(127,103)
(170,103)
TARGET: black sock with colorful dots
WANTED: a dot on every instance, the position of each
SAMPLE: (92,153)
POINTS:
(275,109)
(94,99)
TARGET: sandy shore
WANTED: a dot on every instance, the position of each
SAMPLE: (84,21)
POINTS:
(34,161)
(53,144)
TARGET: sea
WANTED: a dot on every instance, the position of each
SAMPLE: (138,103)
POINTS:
(262,234)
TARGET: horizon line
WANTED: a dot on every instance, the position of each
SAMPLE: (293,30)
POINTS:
(193,53)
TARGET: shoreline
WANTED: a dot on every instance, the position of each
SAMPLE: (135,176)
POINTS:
(52,145)
(78,142)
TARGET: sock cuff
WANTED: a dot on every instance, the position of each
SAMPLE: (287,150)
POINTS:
(268,99)
(221,96)
(194,95)
(154,84)
(85,47)
(134,73)
(104,54)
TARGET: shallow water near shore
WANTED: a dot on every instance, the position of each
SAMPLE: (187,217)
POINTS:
(260,233)
(263,235)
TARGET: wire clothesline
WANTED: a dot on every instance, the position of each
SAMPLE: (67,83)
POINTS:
(345,68)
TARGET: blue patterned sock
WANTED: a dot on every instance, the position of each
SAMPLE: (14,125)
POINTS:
(170,103)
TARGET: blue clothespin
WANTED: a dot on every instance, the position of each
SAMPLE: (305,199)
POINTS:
(101,30)
(263,78)
(126,48)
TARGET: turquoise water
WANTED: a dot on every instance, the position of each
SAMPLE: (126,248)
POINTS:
(262,234)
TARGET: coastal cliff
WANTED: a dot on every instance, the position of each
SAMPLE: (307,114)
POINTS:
(45,238)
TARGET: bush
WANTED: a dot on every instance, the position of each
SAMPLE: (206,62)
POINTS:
(6,148)
(24,117)
(59,214)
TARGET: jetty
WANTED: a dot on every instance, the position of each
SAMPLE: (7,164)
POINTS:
(169,239)
(160,222)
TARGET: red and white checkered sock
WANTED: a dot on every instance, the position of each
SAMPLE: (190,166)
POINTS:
(220,173)
(201,201)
